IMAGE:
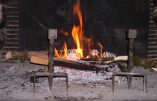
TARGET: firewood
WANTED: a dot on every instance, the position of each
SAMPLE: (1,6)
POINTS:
(39,59)
(75,65)
(43,60)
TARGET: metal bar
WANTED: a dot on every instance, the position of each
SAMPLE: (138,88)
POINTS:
(145,83)
(131,36)
(67,82)
(34,83)
(51,62)
(129,81)
(113,77)
(51,56)
(126,74)
(130,57)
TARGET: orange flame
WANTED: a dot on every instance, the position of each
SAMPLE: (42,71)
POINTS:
(56,53)
(100,45)
(77,31)
(77,12)
(62,54)
(90,43)
(78,36)
(65,50)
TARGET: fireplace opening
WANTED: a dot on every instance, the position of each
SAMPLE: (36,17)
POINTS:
(105,22)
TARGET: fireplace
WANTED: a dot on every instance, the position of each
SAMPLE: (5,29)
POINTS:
(102,21)
(89,39)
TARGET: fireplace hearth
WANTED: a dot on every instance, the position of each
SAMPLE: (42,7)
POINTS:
(77,50)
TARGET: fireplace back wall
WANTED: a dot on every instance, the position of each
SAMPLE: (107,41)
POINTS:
(106,21)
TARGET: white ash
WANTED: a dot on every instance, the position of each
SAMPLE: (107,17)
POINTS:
(72,55)
(108,54)
(18,89)
(94,52)
(83,75)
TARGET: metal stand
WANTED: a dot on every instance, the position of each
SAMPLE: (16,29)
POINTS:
(50,77)
(50,74)
(129,74)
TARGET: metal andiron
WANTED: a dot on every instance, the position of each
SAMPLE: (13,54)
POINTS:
(52,35)
(129,73)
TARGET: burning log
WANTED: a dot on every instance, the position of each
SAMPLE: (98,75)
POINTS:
(75,65)
(91,64)
(43,60)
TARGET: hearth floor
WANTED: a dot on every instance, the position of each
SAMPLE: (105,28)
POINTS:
(16,86)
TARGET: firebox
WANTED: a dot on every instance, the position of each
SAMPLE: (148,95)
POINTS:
(105,22)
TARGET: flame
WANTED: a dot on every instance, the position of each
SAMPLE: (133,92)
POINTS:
(56,53)
(90,43)
(62,54)
(77,12)
(79,38)
(77,30)
(65,49)
(100,45)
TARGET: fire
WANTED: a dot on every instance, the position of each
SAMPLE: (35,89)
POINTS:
(77,30)
(65,50)
(100,45)
(56,53)
(77,12)
(90,43)
(62,54)
(80,40)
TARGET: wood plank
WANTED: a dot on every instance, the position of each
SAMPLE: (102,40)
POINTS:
(43,60)
(155,69)
(39,60)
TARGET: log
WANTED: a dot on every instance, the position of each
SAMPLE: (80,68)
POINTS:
(155,69)
(39,59)
(75,65)
(43,60)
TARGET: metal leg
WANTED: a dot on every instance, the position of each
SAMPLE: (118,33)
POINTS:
(67,82)
(113,77)
(129,79)
(50,79)
(145,83)
(129,82)
(34,83)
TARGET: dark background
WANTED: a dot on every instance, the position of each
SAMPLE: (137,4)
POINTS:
(107,21)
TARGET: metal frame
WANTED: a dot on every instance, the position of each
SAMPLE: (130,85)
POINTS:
(52,35)
(126,74)
(129,74)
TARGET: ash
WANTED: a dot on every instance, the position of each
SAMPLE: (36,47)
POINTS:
(88,76)
(15,85)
